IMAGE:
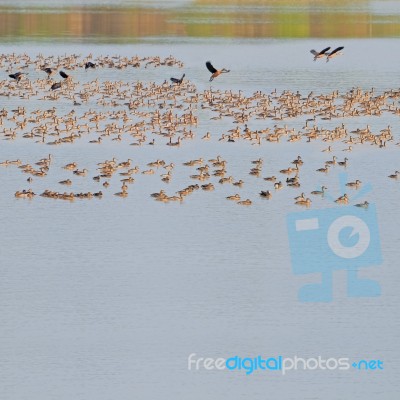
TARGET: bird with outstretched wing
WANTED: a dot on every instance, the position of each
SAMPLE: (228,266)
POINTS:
(319,54)
(215,72)
(334,53)
(178,81)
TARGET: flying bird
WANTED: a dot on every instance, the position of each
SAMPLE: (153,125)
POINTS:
(319,54)
(56,85)
(64,75)
(17,76)
(215,72)
(49,71)
(178,81)
(89,65)
(334,53)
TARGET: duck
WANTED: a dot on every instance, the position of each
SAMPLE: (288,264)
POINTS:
(291,181)
(15,162)
(255,172)
(332,162)
(301,197)
(334,53)
(356,184)
(71,166)
(66,182)
(342,199)
(169,167)
(226,180)
(175,198)
(235,197)
(89,64)
(278,185)
(161,193)
(171,143)
(295,184)
(49,71)
(128,180)
(215,72)
(26,194)
(320,192)
(304,202)
(42,172)
(286,171)
(362,205)
(208,186)
(201,177)
(157,163)
(319,54)
(219,172)
(17,76)
(46,160)
(265,194)
(238,183)
(190,163)
(298,161)
(324,170)
(82,172)
(177,80)
(216,160)
(121,194)
(125,164)
(66,196)
(246,202)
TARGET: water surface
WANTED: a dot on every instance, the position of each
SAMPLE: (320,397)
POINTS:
(106,298)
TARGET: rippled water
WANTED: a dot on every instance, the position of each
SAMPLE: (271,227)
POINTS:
(106,298)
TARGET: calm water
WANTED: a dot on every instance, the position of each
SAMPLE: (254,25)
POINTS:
(106,299)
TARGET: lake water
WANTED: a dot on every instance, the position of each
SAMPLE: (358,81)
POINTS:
(107,298)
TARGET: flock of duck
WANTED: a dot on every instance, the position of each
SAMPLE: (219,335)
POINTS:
(205,169)
(171,113)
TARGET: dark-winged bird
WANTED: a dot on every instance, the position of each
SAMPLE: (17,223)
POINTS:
(56,85)
(64,75)
(215,72)
(89,65)
(17,76)
(49,71)
(334,53)
(178,81)
(319,54)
